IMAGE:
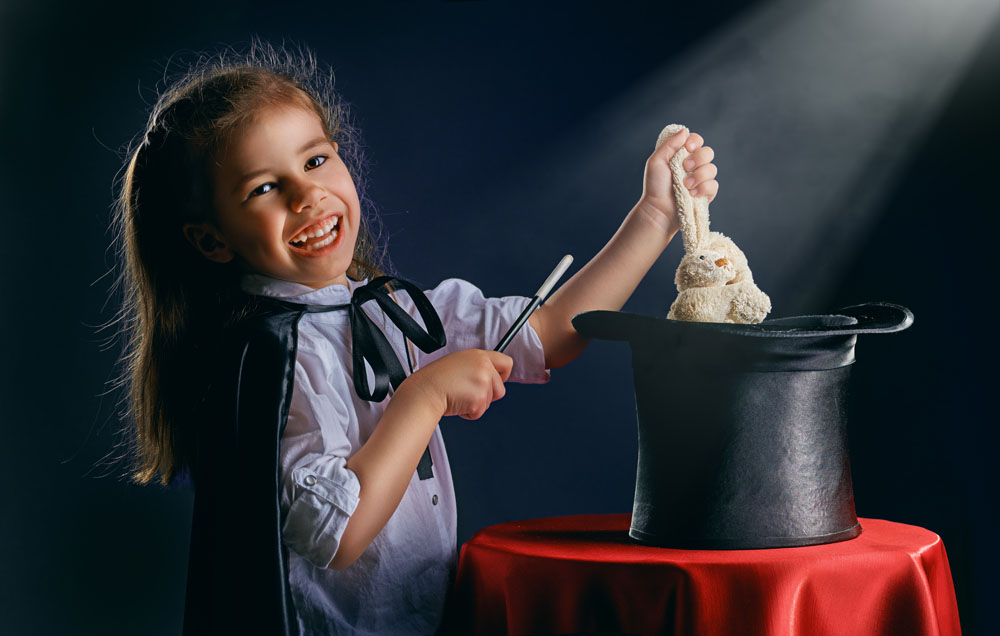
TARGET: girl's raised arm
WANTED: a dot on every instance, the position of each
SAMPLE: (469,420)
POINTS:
(608,280)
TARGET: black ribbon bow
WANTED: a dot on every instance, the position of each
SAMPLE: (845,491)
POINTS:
(371,345)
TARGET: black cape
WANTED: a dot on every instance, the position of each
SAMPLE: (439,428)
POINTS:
(238,565)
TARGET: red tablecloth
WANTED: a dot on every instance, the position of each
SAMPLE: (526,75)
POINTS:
(583,574)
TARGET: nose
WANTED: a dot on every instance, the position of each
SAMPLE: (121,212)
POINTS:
(722,262)
(304,195)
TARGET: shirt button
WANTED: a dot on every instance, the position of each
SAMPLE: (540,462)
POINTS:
(310,480)
(434,500)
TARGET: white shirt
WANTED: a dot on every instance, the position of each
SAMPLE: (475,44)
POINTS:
(398,585)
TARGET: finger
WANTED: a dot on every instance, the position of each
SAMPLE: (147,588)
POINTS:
(503,363)
(707,188)
(693,141)
(474,413)
(702,174)
(477,413)
(699,157)
(712,189)
(499,390)
(672,143)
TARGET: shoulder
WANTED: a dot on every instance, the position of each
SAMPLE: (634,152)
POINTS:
(265,334)
(446,289)
(451,290)
(260,342)
(470,317)
(446,295)
(453,299)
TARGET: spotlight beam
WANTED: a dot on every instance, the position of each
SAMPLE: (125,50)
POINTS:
(813,107)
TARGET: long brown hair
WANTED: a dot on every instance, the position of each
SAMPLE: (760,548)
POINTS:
(174,301)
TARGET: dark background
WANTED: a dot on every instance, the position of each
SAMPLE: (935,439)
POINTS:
(458,102)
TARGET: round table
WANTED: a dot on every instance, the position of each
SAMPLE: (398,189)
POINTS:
(583,574)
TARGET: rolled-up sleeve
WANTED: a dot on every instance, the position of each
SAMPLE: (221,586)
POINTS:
(321,505)
(472,321)
(319,492)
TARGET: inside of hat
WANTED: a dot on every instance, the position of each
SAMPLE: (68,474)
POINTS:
(808,323)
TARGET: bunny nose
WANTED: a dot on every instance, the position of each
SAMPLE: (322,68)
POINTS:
(722,262)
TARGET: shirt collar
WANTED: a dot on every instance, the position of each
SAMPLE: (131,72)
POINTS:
(264,285)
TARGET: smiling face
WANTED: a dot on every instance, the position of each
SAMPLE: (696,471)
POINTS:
(285,203)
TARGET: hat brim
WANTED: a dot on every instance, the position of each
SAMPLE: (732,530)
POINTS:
(856,319)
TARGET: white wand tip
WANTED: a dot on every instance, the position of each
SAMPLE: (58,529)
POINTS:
(554,277)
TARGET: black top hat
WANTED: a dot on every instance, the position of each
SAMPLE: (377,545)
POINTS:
(742,428)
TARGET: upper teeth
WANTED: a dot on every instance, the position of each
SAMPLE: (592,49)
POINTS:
(317,230)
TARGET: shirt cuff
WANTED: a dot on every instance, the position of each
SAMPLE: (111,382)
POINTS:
(320,509)
(526,349)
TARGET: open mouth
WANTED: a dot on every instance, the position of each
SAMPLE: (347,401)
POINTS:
(317,236)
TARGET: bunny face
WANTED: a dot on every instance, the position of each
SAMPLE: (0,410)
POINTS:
(704,268)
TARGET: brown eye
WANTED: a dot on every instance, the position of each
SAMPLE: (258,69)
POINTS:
(322,160)
(258,190)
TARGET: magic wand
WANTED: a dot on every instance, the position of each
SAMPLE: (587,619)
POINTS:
(542,292)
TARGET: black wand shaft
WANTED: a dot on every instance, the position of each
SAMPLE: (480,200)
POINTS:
(543,291)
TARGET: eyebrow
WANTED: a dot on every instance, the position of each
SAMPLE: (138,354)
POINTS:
(318,141)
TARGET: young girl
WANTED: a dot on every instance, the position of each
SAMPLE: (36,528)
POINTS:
(243,205)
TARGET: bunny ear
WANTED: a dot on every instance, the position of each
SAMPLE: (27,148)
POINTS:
(693,213)
(688,211)
(701,216)
(685,210)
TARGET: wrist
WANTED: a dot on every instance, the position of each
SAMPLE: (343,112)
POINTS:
(650,215)
(417,395)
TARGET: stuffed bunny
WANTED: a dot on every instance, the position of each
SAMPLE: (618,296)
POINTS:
(714,280)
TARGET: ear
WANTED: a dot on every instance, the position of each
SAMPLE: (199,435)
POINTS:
(700,205)
(336,147)
(693,219)
(209,241)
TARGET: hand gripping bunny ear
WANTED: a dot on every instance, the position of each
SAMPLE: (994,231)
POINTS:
(714,279)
